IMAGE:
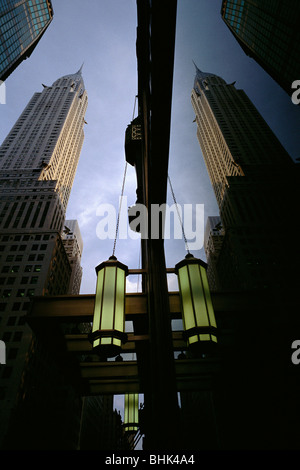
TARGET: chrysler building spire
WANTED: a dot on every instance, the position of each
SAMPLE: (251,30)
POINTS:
(200,82)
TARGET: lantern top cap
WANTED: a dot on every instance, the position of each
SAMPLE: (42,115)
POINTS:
(189,259)
(112,261)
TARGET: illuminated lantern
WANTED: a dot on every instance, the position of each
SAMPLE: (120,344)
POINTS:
(131,412)
(197,310)
(108,331)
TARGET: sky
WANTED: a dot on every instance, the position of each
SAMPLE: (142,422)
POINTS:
(101,34)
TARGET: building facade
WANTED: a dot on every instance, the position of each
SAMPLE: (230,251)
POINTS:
(22,24)
(38,161)
(268,32)
(256,184)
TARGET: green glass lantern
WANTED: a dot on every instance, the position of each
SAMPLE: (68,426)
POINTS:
(131,412)
(108,332)
(197,310)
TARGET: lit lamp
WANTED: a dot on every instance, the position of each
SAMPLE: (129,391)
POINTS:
(197,310)
(131,412)
(109,312)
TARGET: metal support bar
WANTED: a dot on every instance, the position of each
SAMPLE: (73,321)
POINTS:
(80,343)
(80,308)
(123,377)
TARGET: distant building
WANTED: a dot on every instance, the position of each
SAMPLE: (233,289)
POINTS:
(256,184)
(101,427)
(268,31)
(247,397)
(38,161)
(73,244)
(22,24)
(213,241)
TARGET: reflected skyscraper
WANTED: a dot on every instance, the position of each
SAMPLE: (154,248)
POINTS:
(256,184)
(268,31)
(22,24)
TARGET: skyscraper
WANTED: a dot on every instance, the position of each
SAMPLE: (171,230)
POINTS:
(255,183)
(268,31)
(38,161)
(22,24)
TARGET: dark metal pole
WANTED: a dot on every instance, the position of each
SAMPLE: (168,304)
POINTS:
(155,54)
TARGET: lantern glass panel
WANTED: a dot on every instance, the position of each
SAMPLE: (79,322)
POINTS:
(198,297)
(107,320)
(98,301)
(188,317)
(208,298)
(119,306)
(193,339)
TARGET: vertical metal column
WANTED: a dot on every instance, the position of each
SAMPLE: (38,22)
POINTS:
(155,54)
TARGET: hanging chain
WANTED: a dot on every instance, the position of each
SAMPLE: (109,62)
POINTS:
(134,107)
(183,233)
(122,192)
(120,205)
(140,279)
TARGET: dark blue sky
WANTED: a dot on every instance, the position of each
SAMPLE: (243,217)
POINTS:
(102,34)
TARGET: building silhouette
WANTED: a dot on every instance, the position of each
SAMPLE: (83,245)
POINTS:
(101,427)
(22,24)
(247,398)
(256,184)
(268,32)
(38,161)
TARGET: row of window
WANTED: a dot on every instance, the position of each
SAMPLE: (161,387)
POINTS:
(15,269)
(6,238)
(34,247)
(16,306)
(18,258)
(6,293)
(12,336)
(24,280)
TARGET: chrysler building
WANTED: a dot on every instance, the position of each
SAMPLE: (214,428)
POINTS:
(256,184)
(38,162)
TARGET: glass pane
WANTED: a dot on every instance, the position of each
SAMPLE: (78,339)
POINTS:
(188,311)
(204,337)
(208,297)
(126,409)
(98,301)
(107,320)
(193,339)
(117,342)
(198,297)
(106,340)
(120,300)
